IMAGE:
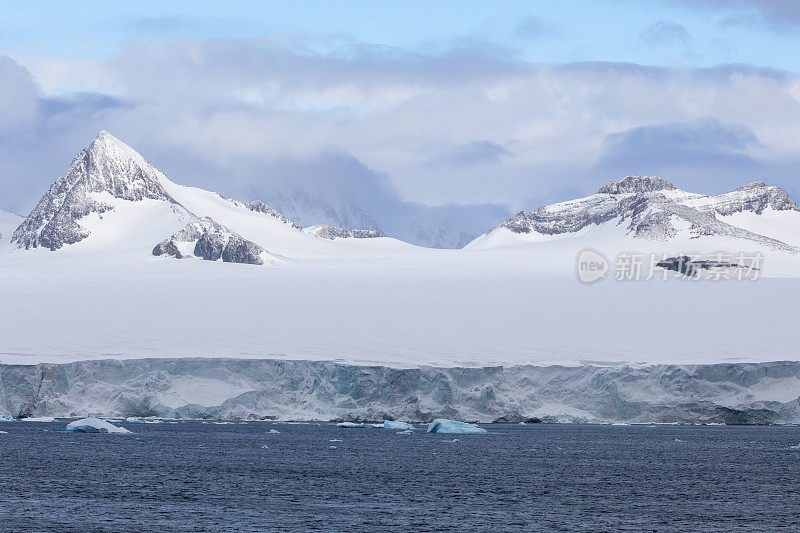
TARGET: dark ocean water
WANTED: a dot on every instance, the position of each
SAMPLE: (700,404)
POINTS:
(207,477)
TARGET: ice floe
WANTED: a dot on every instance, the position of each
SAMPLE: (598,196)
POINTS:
(393,424)
(443,425)
(350,425)
(94,425)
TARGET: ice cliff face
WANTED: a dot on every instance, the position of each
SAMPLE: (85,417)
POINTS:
(105,166)
(332,232)
(653,208)
(210,241)
(736,393)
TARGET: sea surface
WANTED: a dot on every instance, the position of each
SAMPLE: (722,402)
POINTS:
(193,476)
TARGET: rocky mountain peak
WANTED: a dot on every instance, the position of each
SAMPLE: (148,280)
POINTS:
(636,184)
(106,166)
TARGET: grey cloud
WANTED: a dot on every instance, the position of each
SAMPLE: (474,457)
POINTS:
(778,15)
(474,153)
(19,96)
(534,28)
(664,33)
(703,149)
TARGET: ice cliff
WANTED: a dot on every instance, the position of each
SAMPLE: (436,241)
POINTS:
(752,393)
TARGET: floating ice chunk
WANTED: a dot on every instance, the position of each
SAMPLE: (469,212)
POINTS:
(335,440)
(393,424)
(351,425)
(133,419)
(94,425)
(406,432)
(6,419)
(443,425)
(39,419)
(3,432)
(332,447)
(678,440)
(795,447)
(274,432)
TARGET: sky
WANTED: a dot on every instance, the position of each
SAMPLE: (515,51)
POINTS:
(516,103)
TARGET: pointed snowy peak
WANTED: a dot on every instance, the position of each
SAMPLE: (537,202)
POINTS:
(636,184)
(104,170)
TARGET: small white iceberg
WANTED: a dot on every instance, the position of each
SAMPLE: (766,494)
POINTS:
(3,432)
(94,425)
(350,425)
(274,432)
(406,432)
(393,424)
(795,447)
(39,419)
(443,425)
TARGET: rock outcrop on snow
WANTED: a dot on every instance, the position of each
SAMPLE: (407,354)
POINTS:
(332,232)
(211,241)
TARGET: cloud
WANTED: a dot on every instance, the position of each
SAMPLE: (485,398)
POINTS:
(777,15)
(704,151)
(534,28)
(18,96)
(474,153)
(464,126)
(664,33)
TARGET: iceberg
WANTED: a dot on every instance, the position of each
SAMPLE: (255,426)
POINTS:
(391,424)
(274,432)
(7,419)
(406,432)
(94,425)
(39,419)
(443,425)
(350,425)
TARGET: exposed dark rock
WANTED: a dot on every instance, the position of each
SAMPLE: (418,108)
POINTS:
(332,232)
(636,184)
(212,242)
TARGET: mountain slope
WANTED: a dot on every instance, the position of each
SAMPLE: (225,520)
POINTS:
(652,209)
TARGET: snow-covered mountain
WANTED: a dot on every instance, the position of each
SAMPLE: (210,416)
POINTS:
(447,226)
(112,201)
(650,209)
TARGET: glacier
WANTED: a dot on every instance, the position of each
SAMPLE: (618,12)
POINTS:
(730,393)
